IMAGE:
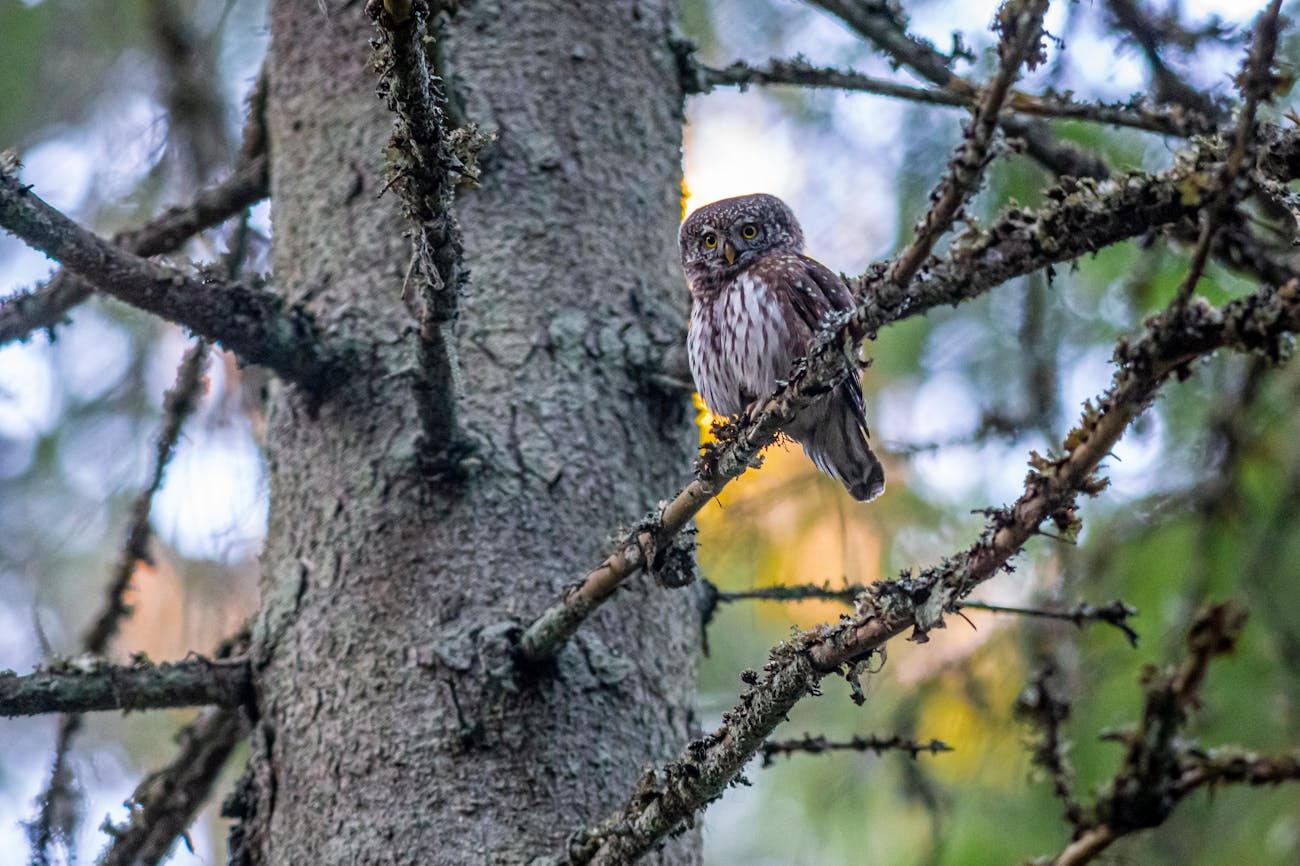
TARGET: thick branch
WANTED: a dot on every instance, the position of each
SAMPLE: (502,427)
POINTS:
(165,803)
(249,320)
(141,686)
(667,796)
(47,305)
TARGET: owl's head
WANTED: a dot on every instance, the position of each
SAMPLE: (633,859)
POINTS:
(723,238)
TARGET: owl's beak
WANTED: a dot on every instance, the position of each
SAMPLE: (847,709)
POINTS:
(729,252)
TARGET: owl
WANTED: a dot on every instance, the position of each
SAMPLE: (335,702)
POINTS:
(756,303)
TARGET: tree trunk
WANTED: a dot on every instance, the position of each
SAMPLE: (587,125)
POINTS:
(393,727)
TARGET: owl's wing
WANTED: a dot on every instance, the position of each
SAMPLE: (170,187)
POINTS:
(817,293)
(820,292)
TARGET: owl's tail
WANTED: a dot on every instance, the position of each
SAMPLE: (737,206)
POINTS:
(834,435)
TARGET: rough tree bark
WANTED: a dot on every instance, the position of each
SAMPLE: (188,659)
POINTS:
(392,729)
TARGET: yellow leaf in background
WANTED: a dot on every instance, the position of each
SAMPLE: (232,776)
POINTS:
(970,709)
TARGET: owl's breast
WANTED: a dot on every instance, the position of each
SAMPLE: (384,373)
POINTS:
(738,344)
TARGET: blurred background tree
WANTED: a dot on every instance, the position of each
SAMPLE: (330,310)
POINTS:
(118,109)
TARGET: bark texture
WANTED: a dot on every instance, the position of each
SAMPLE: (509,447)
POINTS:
(393,727)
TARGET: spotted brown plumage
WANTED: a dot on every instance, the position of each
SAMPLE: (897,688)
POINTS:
(756,304)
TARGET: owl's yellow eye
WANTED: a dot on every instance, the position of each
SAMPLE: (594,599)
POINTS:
(710,240)
(749,231)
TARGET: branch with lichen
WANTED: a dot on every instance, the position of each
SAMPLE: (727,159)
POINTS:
(247,318)
(667,796)
(47,305)
(1257,86)
(1021,29)
(1039,706)
(810,745)
(426,159)
(72,687)
(1161,765)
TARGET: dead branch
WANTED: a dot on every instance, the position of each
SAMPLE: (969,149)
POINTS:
(1161,766)
(424,168)
(48,305)
(70,687)
(246,318)
(811,745)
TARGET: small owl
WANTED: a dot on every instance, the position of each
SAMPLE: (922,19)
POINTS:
(756,303)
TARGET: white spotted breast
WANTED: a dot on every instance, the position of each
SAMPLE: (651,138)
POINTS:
(737,344)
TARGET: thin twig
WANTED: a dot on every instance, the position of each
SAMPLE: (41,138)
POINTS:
(1040,706)
(808,744)
(1021,27)
(178,404)
(881,24)
(57,803)
(1256,87)
(165,803)
(1149,32)
(1162,766)
(1116,614)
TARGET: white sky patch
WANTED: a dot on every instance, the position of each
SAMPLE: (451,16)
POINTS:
(95,356)
(29,402)
(213,502)
(61,170)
